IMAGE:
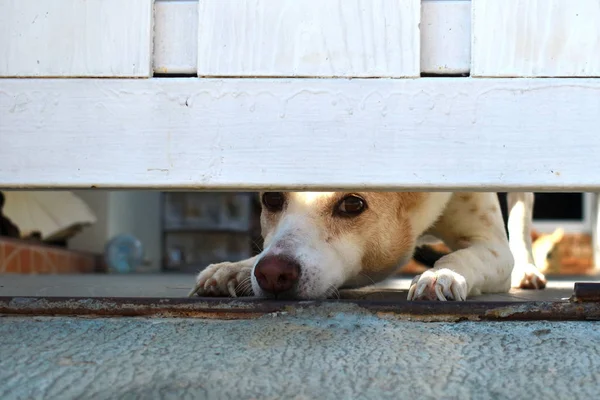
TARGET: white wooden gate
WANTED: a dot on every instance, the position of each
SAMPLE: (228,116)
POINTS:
(246,94)
(313,94)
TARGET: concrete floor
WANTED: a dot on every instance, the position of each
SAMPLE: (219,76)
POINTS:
(328,355)
(334,351)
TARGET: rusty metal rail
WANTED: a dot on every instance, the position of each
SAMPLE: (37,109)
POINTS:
(584,304)
(585,292)
(212,308)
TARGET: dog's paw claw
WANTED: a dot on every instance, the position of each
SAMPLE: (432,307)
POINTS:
(224,279)
(442,285)
(527,276)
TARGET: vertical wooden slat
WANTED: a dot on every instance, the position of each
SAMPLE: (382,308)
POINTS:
(320,38)
(75,38)
(175,37)
(445,37)
(536,38)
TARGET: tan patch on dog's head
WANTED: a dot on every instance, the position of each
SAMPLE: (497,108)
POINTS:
(391,236)
(369,244)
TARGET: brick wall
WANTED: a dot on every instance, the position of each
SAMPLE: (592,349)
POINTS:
(22,257)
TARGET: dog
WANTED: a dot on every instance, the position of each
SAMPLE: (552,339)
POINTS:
(530,257)
(318,242)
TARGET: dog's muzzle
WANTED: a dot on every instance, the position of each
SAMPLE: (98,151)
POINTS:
(276,274)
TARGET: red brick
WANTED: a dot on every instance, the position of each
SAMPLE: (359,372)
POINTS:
(52,260)
(61,263)
(26,260)
(81,263)
(9,248)
(12,264)
(41,262)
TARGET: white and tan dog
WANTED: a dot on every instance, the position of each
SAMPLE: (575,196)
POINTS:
(318,242)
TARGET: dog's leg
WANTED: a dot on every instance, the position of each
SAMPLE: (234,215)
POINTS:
(225,279)
(481,262)
(525,274)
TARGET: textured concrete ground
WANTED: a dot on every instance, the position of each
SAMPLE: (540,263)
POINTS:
(335,352)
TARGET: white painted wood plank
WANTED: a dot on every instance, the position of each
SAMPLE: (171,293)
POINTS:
(320,38)
(75,38)
(536,38)
(428,133)
(445,37)
(175,37)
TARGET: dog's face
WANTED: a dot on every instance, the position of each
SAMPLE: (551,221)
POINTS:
(317,242)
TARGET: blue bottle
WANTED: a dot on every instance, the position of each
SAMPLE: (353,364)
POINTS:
(124,253)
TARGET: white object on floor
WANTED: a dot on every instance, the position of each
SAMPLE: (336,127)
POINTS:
(51,213)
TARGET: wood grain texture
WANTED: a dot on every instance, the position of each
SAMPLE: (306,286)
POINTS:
(175,37)
(536,38)
(310,38)
(75,38)
(445,37)
(428,133)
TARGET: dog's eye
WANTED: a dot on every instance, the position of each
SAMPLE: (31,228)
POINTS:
(273,201)
(351,206)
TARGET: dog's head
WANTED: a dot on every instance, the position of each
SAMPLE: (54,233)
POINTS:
(317,242)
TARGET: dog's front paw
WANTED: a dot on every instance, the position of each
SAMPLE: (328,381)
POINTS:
(442,284)
(224,279)
(527,276)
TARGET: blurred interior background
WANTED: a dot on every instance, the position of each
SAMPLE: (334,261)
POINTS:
(96,231)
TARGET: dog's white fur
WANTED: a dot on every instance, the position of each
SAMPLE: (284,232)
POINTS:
(352,252)
(520,220)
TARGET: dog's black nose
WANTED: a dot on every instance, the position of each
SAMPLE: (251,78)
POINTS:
(276,274)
